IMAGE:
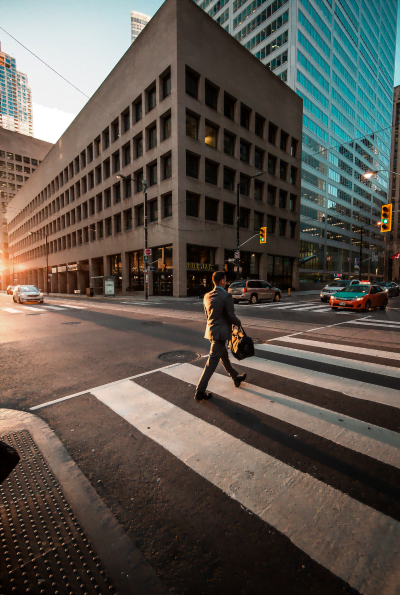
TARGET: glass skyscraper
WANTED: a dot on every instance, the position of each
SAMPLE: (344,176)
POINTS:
(15,97)
(138,23)
(338,55)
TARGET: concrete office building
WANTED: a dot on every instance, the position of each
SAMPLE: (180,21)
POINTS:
(20,155)
(393,239)
(138,23)
(338,55)
(15,97)
(193,120)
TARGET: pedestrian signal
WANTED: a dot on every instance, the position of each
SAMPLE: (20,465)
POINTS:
(386,217)
(263,235)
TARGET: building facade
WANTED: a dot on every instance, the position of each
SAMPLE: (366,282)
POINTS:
(20,155)
(194,126)
(15,97)
(393,240)
(138,23)
(338,55)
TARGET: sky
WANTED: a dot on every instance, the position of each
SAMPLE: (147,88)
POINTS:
(80,39)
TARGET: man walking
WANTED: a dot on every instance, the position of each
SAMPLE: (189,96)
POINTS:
(220,314)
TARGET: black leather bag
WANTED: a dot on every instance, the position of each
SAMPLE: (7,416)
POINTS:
(240,344)
(9,459)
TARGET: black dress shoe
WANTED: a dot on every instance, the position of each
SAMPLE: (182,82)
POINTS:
(202,396)
(239,380)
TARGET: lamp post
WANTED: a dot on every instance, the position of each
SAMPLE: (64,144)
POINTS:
(257,175)
(47,257)
(144,184)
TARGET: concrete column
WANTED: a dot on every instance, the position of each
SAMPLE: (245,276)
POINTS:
(81,278)
(125,271)
(179,269)
(62,283)
(41,280)
(263,272)
(54,283)
(295,274)
(220,258)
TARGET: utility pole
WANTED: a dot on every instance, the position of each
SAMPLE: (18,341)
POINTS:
(146,292)
(359,269)
(237,260)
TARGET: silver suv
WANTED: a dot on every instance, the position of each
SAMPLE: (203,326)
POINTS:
(253,291)
(332,288)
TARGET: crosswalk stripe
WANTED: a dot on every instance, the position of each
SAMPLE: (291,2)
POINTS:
(332,360)
(283,306)
(340,347)
(34,309)
(73,306)
(392,325)
(373,441)
(12,311)
(340,533)
(351,388)
(53,307)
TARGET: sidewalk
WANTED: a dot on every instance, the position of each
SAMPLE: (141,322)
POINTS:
(58,536)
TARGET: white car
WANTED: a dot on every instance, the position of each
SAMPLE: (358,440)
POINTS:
(332,288)
(27,294)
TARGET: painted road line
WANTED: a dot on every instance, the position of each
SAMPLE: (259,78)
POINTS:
(54,307)
(373,441)
(12,311)
(312,330)
(34,309)
(332,360)
(349,387)
(284,307)
(389,325)
(73,306)
(338,532)
(340,347)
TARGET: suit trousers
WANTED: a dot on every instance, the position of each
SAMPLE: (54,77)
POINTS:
(218,352)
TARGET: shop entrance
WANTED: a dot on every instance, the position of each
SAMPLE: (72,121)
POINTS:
(162,283)
(199,282)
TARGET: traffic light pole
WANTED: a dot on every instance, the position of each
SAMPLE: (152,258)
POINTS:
(237,227)
(146,273)
(359,273)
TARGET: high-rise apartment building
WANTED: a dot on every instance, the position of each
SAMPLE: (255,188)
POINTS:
(138,23)
(393,240)
(338,55)
(15,97)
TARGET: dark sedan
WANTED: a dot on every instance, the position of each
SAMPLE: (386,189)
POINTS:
(391,288)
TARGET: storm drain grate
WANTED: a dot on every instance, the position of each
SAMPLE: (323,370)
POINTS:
(180,357)
(43,547)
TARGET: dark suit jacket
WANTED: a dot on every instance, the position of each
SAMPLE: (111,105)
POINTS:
(220,314)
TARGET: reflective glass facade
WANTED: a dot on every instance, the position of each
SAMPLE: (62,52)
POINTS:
(338,55)
(15,97)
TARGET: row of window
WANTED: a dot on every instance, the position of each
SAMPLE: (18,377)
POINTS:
(20,158)
(235,111)
(131,115)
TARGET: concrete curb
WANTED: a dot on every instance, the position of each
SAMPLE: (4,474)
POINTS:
(122,560)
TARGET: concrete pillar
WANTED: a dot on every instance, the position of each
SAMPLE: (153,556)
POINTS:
(62,283)
(220,259)
(125,271)
(41,280)
(263,270)
(54,283)
(81,281)
(179,269)
(295,274)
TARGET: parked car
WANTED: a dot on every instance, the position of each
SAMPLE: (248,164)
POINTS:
(391,288)
(252,291)
(10,289)
(360,297)
(27,293)
(332,288)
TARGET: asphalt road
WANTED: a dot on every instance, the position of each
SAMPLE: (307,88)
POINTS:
(289,485)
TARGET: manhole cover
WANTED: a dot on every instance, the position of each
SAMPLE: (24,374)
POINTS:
(71,323)
(180,357)
(152,323)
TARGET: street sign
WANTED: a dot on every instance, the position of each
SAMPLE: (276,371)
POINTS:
(374,258)
(356,263)
(147,251)
(145,259)
(237,254)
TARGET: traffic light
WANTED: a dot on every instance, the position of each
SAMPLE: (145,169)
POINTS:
(263,235)
(386,217)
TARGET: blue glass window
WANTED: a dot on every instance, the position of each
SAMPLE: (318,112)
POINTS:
(313,33)
(335,112)
(312,70)
(340,132)
(313,52)
(317,130)
(339,49)
(344,73)
(367,87)
(303,80)
(311,107)
(340,84)
(343,104)
(316,18)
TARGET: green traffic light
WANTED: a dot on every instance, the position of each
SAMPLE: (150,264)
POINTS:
(385,221)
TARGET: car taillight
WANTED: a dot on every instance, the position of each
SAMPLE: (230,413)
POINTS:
(245,290)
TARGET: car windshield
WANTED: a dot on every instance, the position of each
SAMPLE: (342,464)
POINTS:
(238,284)
(338,283)
(356,289)
(385,284)
(30,288)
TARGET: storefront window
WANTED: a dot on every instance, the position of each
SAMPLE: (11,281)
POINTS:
(279,271)
(163,270)
(200,268)
(116,270)
(249,265)
(136,275)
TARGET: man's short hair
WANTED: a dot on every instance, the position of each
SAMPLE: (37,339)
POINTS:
(217,277)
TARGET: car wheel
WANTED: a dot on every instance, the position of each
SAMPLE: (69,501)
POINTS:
(277,297)
(385,303)
(254,299)
(13,299)
(367,306)
(19,300)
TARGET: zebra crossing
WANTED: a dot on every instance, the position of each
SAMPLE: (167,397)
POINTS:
(321,400)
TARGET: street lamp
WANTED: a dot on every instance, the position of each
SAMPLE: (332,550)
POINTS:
(257,175)
(144,184)
(47,257)
(369,174)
